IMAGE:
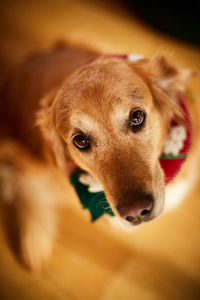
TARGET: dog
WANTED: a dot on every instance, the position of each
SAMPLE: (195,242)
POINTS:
(72,107)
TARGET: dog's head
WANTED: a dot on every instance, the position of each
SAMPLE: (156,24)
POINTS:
(110,118)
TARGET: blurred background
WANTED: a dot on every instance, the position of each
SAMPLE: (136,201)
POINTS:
(161,260)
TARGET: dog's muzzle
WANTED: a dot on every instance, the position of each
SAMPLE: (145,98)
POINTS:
(138,209)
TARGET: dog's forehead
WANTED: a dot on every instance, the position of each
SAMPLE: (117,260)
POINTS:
(102,82)
(114,72)
(100,94)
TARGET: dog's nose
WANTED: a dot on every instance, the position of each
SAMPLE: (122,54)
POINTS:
(137,210)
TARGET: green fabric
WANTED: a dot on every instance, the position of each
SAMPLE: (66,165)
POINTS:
(96,203)
(171,156)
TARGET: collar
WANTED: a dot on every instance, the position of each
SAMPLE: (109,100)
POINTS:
(177,145)
(174,153)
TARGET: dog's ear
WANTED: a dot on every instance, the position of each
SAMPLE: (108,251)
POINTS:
(53,147)
(166,82)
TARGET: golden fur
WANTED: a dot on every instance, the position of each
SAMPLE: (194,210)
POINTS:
(55,94)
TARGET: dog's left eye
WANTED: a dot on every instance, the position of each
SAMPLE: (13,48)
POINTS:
(137,118)
(81,141)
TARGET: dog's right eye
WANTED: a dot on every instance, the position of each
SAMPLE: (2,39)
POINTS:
(81,141)
(137,119)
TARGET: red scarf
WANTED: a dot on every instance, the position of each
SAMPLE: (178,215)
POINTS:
(172,163)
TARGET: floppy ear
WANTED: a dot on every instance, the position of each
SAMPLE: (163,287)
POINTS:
(166,83)
(54,148)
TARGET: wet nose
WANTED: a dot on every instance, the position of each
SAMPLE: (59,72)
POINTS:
(136,210)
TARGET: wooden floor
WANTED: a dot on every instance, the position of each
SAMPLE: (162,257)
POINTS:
(93,261)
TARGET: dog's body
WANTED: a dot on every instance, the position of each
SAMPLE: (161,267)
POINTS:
(40,92)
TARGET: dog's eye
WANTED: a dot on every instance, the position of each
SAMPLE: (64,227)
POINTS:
(81,141)
(137,118)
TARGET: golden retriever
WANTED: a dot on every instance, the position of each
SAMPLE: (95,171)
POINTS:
(70,107)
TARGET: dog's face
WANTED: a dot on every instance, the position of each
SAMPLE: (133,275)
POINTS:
(109,122)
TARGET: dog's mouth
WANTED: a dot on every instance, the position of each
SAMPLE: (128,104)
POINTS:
(133,209)
(138,220)
(131,221)
(134,221)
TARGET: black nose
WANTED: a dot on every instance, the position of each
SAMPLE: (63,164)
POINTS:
(137,209)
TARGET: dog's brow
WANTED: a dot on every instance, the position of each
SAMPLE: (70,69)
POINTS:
(85,123)
(137,94)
